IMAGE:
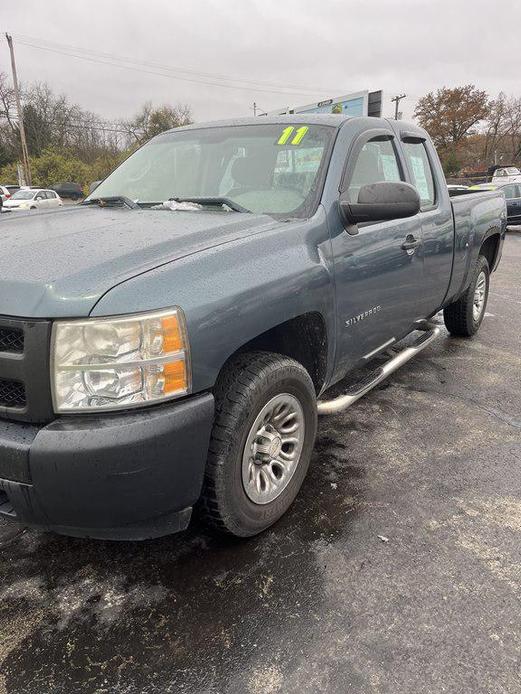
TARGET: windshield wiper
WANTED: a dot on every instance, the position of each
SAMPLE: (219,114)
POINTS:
(217,200)
(112,201)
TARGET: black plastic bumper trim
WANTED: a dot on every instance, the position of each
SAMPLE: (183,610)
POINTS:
(126,476)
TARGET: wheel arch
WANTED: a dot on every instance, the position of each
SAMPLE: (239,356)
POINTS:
(303,338)
(490,248)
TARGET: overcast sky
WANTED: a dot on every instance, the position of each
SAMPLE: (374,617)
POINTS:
(322,48)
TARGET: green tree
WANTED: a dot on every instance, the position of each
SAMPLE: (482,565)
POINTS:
(52,167)
(451,164)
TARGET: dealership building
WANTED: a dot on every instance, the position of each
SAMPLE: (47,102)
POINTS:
(358,104)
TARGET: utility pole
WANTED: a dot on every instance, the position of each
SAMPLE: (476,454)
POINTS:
(397,100)
(256,110)
(25,152)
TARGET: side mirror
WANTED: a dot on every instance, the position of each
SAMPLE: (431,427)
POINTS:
(93,186)
(382,201)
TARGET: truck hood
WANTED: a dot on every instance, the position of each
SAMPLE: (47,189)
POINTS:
(59,263)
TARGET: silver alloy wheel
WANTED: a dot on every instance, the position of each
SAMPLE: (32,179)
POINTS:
(479,296)
(273,448)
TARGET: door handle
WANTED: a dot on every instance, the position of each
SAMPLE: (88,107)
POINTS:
(410,243)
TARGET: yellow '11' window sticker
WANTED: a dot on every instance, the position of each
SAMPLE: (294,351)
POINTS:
(296,135)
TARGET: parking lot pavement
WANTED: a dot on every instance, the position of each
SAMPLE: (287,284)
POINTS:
(397,570)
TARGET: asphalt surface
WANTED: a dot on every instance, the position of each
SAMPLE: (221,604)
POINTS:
(397,570)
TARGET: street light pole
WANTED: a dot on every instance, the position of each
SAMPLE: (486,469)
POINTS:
(25,151)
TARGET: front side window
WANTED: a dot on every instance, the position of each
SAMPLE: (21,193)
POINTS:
(509,191)
(421,172)
(376,162)
(273,169)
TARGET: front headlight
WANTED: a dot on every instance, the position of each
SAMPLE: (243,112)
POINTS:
(121,362)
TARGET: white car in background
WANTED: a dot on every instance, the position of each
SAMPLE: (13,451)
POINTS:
(32,199)
(507,174)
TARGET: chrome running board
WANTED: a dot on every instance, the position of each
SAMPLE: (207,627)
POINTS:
(358,390)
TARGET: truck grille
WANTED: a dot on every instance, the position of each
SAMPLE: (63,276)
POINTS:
(25,393)
(11,340)
(12,394)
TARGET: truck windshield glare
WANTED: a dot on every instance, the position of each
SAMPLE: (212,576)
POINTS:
(265,169)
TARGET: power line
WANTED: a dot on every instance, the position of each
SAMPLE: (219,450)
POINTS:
(154,64)
(85,125)
(135,68)
(287,88)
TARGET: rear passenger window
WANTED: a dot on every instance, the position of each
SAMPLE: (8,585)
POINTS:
(376,162)
(421,172)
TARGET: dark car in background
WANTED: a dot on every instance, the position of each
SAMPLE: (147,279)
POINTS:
(73,191)
(512,192)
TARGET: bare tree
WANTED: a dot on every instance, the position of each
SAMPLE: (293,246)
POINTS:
(513,130)
(150,121)
(494,127)
(9,136)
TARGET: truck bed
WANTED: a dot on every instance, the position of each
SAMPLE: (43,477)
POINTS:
(474,214)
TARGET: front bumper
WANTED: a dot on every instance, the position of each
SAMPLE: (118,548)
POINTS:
(128,476)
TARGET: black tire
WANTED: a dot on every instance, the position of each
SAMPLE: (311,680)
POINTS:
(246,385)
(459,316)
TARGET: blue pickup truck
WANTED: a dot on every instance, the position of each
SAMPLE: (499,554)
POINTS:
(170,342)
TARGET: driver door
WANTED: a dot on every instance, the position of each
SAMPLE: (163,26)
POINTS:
(378,281)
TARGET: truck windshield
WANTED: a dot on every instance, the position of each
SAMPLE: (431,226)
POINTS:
(272,169)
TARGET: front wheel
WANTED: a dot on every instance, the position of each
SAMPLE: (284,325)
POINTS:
(464,316)
(261,443)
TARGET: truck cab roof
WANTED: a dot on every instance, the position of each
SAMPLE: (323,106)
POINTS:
(329,119)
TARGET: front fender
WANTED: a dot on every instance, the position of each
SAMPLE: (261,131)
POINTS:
(236,291)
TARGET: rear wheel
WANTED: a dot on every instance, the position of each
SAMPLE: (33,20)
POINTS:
(465,315)
(261,443)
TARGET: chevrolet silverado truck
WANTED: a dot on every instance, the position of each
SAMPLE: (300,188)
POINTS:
(169,343)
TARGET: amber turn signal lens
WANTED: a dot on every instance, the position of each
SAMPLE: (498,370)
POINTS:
(175,377)
(172,336)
